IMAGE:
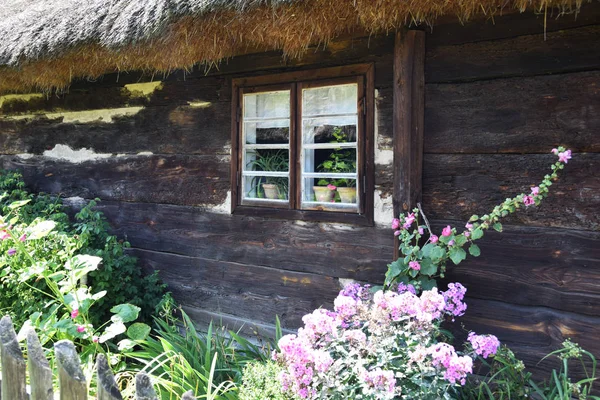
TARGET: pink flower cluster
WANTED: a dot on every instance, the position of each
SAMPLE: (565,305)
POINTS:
(484,345)
(564,156)
(455,367)
(406,305)
(380,380)
(405,223)
(454,296)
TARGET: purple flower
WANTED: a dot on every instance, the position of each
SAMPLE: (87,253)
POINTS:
(565,156)
(467,233)
(421,230)
(484,345)
(535,190)
(528,201)
(415,265)
(12,251)
(451,243)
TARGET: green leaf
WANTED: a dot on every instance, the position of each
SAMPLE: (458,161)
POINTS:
(138,331)
(498,226)
(460,240)
(413,272)
(477,234)
(446,239)
(457,254)
(18,204)
(473,218)
(427,284)
(126,345)
(114,329)
(428,267)
(427,249)
(41,230)
(126,312)
(474,250)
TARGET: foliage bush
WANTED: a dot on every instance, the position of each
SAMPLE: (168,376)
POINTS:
(260,382)
(118,275)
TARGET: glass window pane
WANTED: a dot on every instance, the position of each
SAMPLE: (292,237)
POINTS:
(329,130)
(330,161)
(266,188)
(270,160)
(322,192)
(267,105)
(328,100)
(267,132)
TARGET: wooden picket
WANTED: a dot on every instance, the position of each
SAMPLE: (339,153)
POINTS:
(72,383)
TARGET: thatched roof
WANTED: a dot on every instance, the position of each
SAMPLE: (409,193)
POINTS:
(46,44)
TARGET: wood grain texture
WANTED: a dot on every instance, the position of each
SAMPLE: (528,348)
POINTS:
(509,25)
(545,267)
(191,180)
(457,186)
(517,115)
(71,379)
(107,386)
(531,332)
(334,250)
(563,51)
(40,373)
(13,363)
(246,291)
(143,387)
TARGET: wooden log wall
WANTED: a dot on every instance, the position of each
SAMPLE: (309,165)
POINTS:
(498,98)
(159,159)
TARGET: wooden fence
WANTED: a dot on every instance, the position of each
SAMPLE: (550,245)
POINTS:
(71,381)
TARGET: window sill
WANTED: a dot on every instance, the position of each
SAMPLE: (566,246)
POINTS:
(305,215)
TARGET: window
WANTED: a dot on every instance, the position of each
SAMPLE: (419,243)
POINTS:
(304,145)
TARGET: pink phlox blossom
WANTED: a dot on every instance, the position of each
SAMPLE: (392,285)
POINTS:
(402,306)
(355,336)
(484,345)
(409,220)
(380,380)
(406,288)
(454,297)
(414,265)
(395,223)
(4,235)
(455,367)
(565,156)
(447,231)
(74,313)
(528,201)
(535,190)
(345,306)
(432,303)
(356,291)
(433,239)
(322,360)
(12,251)
(319,325)
(331,187)
(418,355)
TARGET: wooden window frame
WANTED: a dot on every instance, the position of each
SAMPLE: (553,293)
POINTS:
(363,74)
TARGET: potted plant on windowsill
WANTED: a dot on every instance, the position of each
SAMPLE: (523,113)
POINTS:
(340,161)
(270,187)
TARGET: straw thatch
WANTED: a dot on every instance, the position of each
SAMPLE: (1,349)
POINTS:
(45,44)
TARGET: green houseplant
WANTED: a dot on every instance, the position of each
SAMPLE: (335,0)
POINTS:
(270,161)
(340,161)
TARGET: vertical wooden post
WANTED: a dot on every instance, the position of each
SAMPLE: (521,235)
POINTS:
(143,388)
(13,363)
(70,376)
(107,387)
(408,119)
(40,374)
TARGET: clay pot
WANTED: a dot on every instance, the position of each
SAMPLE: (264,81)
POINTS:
(271,191)
(324,194)
(347,194)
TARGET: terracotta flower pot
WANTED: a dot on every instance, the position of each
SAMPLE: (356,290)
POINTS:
(347,194)
(271,191)
(324,194)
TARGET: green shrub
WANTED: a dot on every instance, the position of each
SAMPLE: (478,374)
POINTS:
(260,382)
(119,275)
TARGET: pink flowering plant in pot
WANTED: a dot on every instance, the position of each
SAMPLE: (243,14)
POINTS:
(425,254)
(382,345)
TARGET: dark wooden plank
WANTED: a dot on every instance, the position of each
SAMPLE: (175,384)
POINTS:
(546,267)
(517,115)
(190,180)
(408,115)
(563,51)
(244,291)
(326,249)
(532,332)
(508,25)
(457,186)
